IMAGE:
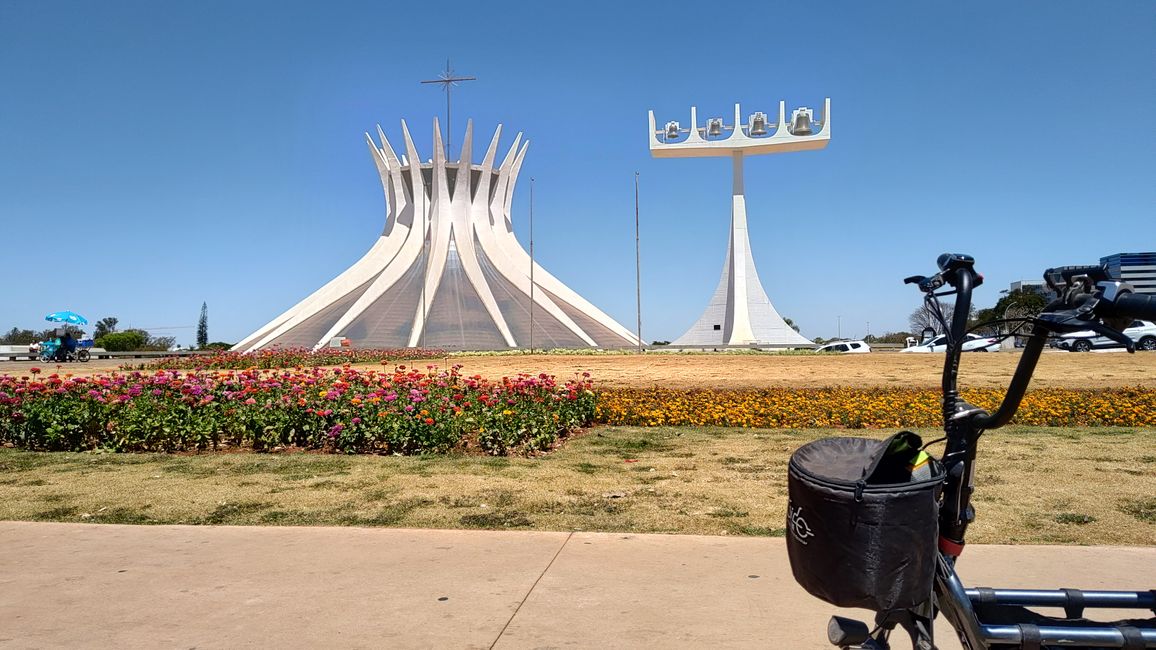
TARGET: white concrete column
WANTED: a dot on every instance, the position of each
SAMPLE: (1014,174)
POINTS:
(741,331)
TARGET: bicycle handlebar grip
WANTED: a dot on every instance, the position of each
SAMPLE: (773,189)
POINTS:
(1136,305)
(1066,273)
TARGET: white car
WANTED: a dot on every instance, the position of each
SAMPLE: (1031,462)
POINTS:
(1143,332)
(973,343)
(849,347)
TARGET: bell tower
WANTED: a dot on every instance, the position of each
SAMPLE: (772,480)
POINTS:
(739,312)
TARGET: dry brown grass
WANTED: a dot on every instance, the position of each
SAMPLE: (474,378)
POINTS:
(1056,369)
(1036,485)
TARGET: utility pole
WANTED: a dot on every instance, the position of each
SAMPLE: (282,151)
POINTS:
(424,263)
(637,264)
(448,81)
(531,265)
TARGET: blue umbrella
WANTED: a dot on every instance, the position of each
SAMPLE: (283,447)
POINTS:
(66,317)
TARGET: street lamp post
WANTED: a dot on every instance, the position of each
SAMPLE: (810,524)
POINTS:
(637,264)
(531,265)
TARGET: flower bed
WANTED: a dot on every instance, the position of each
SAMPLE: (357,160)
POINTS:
(288,358)
(804,408)
(341,410)
(407,411)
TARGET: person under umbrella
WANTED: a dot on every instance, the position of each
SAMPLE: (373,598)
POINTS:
(67,346)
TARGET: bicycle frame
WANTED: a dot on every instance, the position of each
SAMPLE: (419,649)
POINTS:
(964,423)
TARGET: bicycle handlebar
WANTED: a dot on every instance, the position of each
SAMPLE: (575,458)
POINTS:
(1133,305)
(1079,307)
(1088,299)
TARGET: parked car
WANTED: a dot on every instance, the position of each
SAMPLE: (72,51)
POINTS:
(850,347)
(974,343)
(1143,332)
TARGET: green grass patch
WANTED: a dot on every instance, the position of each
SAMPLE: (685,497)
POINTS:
(1142,509)
(1074,518)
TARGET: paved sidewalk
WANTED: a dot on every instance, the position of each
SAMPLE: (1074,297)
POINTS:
(76,585)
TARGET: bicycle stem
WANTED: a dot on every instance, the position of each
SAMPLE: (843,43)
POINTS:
(964,423)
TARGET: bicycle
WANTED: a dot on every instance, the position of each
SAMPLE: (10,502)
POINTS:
(872,493)
(48,353)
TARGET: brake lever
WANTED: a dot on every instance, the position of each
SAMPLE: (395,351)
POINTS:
(1070,321)
(1115,335)
(926,284)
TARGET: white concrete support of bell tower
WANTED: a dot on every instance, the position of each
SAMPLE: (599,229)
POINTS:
(740,313)
(740,245)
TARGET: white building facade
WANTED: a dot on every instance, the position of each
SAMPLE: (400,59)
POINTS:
(447,270)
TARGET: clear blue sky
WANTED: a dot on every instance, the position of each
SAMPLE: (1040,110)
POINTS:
(213,151)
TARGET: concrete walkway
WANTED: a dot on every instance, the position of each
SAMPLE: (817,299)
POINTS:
(76,585)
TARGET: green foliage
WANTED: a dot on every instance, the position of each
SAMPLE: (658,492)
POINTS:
(17,336)
(217,345)
(890,337)
(104,327)
(159,343)
(203,326)
(1029,303)
(127,341)
(1076,518)
(154,343)
(23,337)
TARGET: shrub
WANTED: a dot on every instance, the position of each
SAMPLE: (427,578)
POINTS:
(121,341)
(217,345)
(338,410)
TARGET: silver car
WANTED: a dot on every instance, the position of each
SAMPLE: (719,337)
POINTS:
(848,347)
(974,343)
(1143,332)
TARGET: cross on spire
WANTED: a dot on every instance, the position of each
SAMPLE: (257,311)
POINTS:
(448,81)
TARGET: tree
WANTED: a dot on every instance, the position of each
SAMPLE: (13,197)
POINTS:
(150,342)
(1028,303)
(17,336)
(126,341)
(50,333)
(890,337)
(924,317)
(134,339)
(203,326)
(791,323)
(106,325)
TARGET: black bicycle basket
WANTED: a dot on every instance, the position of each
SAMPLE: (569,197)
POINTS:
(862,520)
